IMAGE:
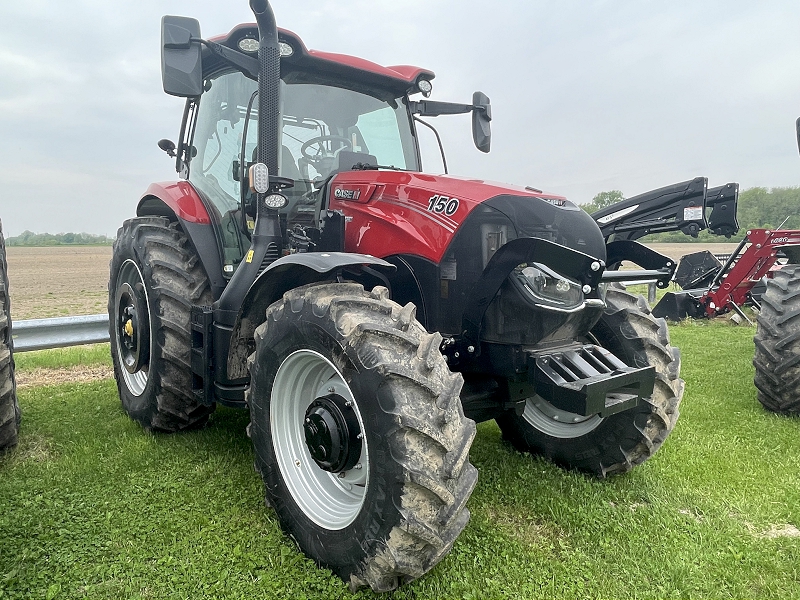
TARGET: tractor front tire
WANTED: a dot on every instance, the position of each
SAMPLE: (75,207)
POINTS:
(617,443)
(777,340)
(155,279)
(9,407)
(359,433)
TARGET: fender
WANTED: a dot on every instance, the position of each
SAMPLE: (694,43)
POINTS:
(177,198)
(179,201)
(283,275)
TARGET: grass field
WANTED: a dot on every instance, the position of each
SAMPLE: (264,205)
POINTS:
(93,507)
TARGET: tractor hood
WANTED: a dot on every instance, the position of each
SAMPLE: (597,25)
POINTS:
(397,212)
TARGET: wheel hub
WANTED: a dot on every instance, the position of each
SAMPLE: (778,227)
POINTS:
(332,433)
(133,338)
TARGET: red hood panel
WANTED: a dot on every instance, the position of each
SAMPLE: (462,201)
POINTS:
(395,212)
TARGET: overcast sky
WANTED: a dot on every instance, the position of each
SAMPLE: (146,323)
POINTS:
(586,96)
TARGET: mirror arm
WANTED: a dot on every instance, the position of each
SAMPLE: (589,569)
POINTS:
(438,140)
(431,108)
(246,64)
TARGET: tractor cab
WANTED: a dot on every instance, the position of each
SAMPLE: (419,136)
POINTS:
(337,113)
(325,130)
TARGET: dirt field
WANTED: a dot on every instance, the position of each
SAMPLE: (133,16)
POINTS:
(59,281)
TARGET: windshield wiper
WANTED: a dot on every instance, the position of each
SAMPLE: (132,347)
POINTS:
(360,166)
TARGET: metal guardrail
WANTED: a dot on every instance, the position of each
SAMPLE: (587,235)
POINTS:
(60,332)
(651,288)
(42,334)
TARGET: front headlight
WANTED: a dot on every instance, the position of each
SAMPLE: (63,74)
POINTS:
(548,287)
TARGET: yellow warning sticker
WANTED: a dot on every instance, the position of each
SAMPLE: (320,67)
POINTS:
(249,258)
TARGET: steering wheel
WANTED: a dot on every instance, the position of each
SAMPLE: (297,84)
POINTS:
(322,152)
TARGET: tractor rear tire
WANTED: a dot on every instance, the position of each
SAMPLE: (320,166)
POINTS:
(155,279)
(617,443)
(394,509)
(9,407)
(777,340)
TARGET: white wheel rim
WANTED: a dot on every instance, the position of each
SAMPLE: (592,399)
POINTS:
(548,419)
(331,500)
(135,382)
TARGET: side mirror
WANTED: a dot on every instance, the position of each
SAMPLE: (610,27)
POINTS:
(481,118)
(181,63)
(797,125)
(168,146)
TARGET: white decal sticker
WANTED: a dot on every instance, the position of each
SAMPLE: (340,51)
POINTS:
(448,270)
(693,213)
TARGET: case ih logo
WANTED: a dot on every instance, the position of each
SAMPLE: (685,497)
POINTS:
(555,201)
(344,194)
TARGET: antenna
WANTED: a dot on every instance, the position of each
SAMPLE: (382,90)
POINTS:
(784,222)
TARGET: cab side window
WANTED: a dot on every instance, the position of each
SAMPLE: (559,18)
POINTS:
(217,142)
(218,139)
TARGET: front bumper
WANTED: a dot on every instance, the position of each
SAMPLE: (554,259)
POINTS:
(588,380)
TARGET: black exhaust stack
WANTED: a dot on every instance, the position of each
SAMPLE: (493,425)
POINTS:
(269,90)
(266,240)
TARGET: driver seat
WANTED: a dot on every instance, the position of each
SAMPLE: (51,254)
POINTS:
(288,165)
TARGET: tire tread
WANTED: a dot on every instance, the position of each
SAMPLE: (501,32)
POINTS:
(176,281)
(430,438)
(777,343)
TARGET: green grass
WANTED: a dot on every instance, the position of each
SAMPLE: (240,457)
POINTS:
(90,354)
(92,507)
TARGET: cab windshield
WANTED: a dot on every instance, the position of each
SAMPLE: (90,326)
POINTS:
(323,126)
(319,123)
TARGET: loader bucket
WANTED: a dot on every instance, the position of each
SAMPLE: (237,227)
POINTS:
(697,270)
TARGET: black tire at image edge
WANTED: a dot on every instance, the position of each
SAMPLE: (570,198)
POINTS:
(777,342)
(10,415)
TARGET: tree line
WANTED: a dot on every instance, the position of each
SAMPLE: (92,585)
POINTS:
(758,208)
(28,238)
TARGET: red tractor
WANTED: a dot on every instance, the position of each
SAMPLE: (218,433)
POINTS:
(763,271)
(364,312)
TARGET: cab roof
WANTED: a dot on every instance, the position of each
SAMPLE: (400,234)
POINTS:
(314,65)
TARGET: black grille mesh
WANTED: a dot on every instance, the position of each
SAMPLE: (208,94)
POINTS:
(269,107)
(270,257)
